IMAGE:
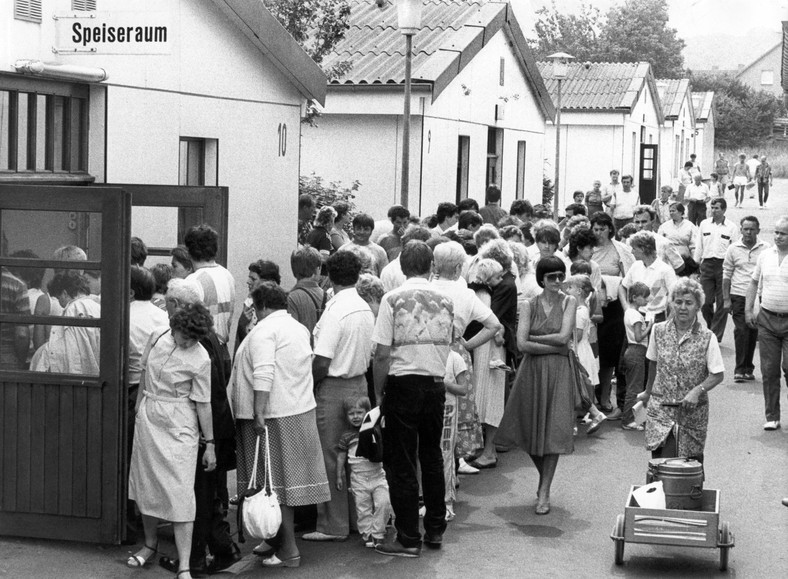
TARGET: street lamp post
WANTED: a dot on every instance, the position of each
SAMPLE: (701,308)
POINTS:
(409,22)
(560,71)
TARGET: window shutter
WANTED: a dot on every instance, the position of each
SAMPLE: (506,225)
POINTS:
(27,10)
(87,5)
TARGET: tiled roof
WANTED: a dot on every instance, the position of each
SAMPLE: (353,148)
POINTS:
(702,103)
(452,33)
(600,86)
(672,92)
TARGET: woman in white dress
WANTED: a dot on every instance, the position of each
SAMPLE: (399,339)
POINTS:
(173,407)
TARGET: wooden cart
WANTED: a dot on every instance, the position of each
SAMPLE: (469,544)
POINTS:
(674,527)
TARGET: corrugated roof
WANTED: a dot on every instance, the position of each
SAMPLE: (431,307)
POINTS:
(602,86)
(452,33)
(672,92)
(702,103)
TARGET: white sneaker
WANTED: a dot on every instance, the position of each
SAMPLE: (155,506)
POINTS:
(422,512)
(772,425)
(465,468)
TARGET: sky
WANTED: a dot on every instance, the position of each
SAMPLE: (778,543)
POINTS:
(690,17)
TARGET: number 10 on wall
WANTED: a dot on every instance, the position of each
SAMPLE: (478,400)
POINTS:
(282,131)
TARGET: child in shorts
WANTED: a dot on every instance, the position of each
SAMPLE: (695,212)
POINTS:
(367,479)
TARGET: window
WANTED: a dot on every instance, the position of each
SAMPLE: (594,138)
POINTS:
(502,75)
(86,5)
(43,133)
(520,190)
(199,160)
(767,77)
(494,156)
(29,10)
(463,166)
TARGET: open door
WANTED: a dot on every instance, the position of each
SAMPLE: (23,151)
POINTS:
(61,432)
(647,181)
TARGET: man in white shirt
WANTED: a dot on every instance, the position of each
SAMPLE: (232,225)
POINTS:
(343,346)
(622,201)
(737,269)
(716,234)
(753,164)
(770,279)
(644,218)
(447,214)
(392,276)
(697,195)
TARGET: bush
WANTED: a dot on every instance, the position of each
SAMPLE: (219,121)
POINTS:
(547,192)
(329,193)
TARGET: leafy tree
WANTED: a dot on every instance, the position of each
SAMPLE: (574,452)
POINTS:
(577,34)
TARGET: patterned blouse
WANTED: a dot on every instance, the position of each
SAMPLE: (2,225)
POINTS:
(683,362)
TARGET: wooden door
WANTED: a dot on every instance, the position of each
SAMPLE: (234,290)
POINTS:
(61,454)
(647,177)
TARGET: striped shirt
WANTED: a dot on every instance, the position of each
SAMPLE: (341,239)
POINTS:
(772,278)
(218,288)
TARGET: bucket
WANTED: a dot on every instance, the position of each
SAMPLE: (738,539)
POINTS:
(682,481)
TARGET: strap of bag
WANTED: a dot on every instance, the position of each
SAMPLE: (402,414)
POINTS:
(314,301)
(268,478)
(253,478)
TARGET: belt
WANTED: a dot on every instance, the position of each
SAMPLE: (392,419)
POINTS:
(779,315)
(165,398)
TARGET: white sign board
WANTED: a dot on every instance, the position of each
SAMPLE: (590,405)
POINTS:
(114,33)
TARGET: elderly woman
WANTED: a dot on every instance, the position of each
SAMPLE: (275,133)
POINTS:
(684,365)
(683,235)
(614,260)
(658,276)
(540,413)
(339,236)
(271,394)
(469,310)
(182,265)
(173,407)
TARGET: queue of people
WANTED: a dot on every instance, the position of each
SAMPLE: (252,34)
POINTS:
(461,327)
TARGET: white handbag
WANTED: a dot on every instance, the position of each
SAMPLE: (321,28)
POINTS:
(261,515)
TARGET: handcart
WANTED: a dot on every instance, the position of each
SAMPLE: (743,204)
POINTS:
(675,527)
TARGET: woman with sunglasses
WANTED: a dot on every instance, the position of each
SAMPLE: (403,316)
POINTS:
(540,413)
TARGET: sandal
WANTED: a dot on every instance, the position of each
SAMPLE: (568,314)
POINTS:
(633,426)
(137,560)
(182,571)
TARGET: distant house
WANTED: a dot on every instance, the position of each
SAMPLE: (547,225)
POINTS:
(678,132)
(610,119)
(478,108)
(763,73)
(703,105)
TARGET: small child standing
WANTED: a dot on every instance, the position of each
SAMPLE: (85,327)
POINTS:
(367,479)
(581,288)
(456,381)
(637,329)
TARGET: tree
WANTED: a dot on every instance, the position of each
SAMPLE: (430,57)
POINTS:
(577,34)
(638,30)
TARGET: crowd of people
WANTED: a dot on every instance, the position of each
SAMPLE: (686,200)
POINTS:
(464,328)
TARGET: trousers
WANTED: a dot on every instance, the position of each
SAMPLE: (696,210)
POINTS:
(744,337)
(711,280)
(773,346)
(373,505)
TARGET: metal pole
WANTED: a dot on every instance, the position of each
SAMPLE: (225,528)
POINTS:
(557,153)
(406,123)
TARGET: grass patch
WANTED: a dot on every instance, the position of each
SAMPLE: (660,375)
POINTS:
(776,154)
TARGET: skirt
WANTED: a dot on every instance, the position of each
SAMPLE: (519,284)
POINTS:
(297,468)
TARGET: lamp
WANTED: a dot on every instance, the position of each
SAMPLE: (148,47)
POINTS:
(408,22)
(560,62)
(62,71)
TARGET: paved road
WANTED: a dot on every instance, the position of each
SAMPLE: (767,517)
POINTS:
(496,532)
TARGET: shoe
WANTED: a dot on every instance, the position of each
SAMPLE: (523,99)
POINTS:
(615,415)
(422,511)
(739,378)
(396,549)
(574,431)
(274,561)
(137,560)
(502,449)
(542,508)
(449,515)
(465,468)
(264,549)
(772,425)
(606,409)
(749,376)
(234,500)
(318,536)
(633,426)
(484,465)
(433,541)
(222,562)
(596,423)
(785,502)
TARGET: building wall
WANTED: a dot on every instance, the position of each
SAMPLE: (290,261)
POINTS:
(213,84)
(754,75)
(359,136)
(705,141)
(673,157)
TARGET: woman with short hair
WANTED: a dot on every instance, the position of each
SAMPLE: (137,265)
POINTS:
(683,234)
(182,265)
(339,236)
(684,365)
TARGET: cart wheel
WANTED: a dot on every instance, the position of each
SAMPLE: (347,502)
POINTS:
(618,531)
(725,539)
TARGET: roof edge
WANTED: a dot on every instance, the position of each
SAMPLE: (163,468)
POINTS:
(272,39)
(757,60)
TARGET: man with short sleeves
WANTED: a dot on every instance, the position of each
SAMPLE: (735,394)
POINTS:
(492,212)
(697,195)
(621,201)
(716,234)
(770,279)
(737,269)
(343,346)
(414,331)
(644,218)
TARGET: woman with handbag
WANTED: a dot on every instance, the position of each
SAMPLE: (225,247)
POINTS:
(540,414)
(173,406)
(271,393)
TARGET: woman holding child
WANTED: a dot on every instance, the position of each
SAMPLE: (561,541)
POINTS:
(540,413)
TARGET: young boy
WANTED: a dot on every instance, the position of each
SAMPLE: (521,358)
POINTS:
(637,329)
(367,479)
(456,382)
